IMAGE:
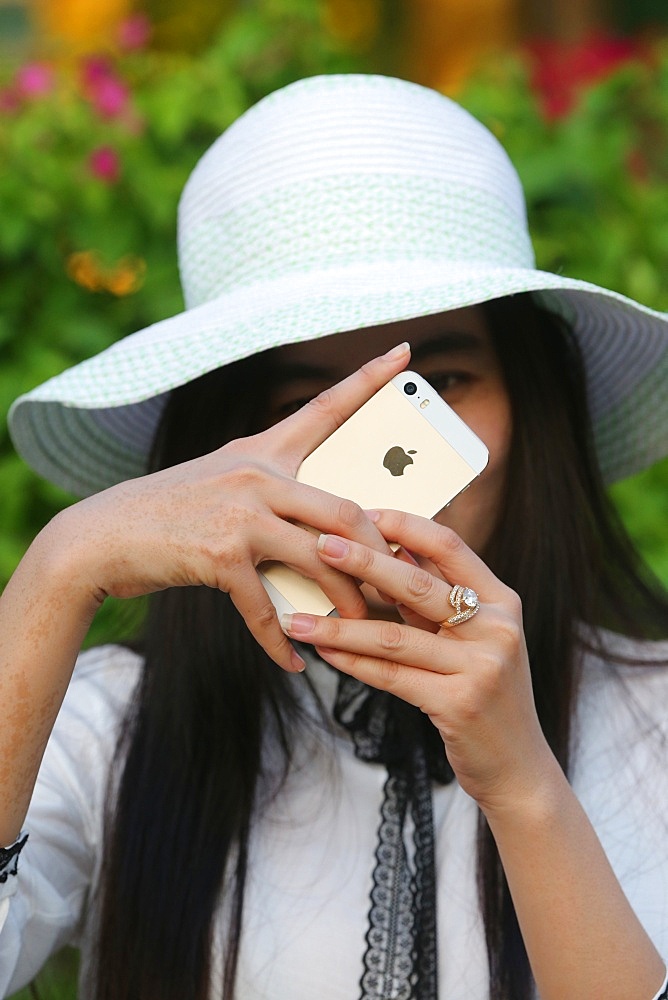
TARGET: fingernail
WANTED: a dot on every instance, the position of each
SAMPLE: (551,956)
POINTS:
(298,624)
(406,556)
(333,546)
(398,351)
(326,651)
(373,515)
(297,662)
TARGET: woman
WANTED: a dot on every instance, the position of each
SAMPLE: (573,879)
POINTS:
(400,826)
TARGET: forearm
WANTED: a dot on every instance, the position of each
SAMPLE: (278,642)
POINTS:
(45,612)
(583,939)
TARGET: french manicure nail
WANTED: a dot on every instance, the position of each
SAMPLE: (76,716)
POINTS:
(333,546)
(298,624)
(297,662)
(398,351)
(326,651)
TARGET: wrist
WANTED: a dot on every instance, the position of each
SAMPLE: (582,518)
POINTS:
(65,562)
(532,801)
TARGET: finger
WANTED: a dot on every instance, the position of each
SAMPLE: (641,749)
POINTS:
(444,548)
(378,641)
(303,431)
(408,616)
(411,684)
(327,513)
(420,591)
(252,602)
(405,556)
(296,547)
(415,620)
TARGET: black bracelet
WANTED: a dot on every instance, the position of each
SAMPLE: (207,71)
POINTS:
(9,854)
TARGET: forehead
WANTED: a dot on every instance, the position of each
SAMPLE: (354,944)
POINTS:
(351,349)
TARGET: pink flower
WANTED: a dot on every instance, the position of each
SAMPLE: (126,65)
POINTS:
(134,32)
(108,94)
(9,100)
(105,164)
(34,80)
(94,69)
(111,97)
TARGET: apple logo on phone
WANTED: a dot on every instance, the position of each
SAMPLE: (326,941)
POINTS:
(396,460)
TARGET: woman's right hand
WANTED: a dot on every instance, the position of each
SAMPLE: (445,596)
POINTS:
(211,521)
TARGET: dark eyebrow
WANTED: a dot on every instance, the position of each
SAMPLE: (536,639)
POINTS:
(301,372)
(453,341)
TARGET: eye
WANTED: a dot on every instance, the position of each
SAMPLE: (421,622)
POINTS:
(290,406)
(285,404)
(447,382)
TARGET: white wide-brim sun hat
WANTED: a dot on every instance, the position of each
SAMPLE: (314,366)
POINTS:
(338,203)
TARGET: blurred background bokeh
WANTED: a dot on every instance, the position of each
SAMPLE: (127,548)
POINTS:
(105,106)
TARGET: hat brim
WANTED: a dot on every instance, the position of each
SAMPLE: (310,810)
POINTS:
(92,425)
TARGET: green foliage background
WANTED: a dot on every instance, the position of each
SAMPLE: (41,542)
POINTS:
(595,182)
(594,178)
(52,206)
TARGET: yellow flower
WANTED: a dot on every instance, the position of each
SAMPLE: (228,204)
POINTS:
(123,277)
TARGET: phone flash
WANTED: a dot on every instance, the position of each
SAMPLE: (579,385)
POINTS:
(424,404)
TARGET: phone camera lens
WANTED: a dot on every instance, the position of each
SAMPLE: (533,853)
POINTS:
(410,388)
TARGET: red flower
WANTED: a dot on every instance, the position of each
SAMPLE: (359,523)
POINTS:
(105,164)
(560,72)
(638,164)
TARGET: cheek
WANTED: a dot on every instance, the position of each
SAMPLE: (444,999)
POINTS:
(473,513)
(496,433)
(489,416)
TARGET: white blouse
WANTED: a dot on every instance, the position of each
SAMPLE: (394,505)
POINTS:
(312,851)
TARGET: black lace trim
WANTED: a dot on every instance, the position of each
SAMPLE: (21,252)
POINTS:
(401,957)
(426,950)
(388,960)
(386,730)
(9,855)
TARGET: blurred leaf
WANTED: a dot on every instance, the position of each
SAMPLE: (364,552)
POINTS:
(595,182)
(68,229)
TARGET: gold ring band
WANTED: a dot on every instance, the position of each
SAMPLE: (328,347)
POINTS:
(465,602)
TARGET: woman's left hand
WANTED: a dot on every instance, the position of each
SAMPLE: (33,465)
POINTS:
(474,683)
(472,680)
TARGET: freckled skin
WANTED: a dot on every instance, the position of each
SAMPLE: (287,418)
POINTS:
(207,522)
(28,716)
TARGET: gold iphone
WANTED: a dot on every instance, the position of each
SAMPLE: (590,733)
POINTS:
(404,449)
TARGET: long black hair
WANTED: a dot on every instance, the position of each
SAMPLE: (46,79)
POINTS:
(560,544)
(190,758)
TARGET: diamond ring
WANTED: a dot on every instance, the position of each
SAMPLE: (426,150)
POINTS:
(465,603)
